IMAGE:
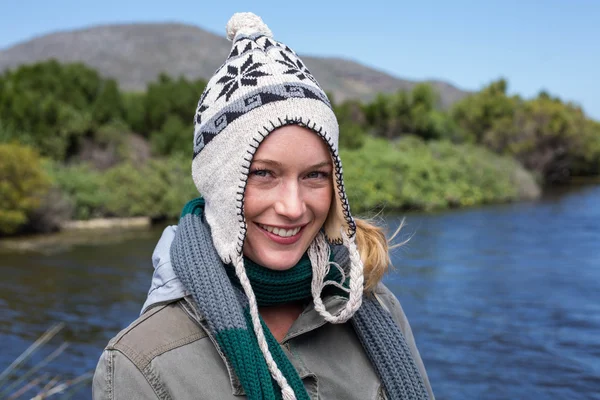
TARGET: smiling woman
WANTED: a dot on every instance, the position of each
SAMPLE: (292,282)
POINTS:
(288,196)
(268,287)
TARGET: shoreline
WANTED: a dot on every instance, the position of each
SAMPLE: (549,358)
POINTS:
(86,232)
(110,230)
(106,223)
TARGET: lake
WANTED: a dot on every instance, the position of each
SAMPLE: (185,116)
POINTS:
(504,301)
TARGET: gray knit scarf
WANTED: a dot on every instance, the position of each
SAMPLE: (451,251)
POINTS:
(201,271)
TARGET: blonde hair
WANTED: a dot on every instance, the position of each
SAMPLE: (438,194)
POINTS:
(374,249)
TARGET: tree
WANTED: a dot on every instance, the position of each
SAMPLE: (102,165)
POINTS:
(50,105)
(478,113)
(108,106)
(379,115)
(416,112)
(135,111)
(547,136)
(352,121)
(168,97)
(175,137)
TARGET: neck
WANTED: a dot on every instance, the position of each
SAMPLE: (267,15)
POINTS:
(279,319)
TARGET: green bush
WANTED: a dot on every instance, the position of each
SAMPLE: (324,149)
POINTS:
(419,175)
(167,98)
(108,106)
(417,112)
(158,189)
(175,137)
(83,188)
(51,104)
(587,159)
(23,183)
(135,111)
(352,136)
(352,122)
(551,138)
(485,111)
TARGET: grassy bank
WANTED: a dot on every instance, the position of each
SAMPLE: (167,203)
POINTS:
(417,175)
(409,173)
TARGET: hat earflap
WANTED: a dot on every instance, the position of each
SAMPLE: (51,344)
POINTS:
(319,252)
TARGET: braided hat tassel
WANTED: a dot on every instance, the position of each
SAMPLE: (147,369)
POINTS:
(318,253)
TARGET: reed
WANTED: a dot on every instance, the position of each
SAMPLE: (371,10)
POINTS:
(19,381)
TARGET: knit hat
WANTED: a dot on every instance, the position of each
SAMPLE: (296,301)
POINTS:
(263,85)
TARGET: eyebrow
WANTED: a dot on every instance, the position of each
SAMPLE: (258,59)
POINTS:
(279,165)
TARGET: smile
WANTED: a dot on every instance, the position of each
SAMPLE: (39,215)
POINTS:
(280,231)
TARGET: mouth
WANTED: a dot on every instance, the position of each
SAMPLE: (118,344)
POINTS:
(281,232)
(282,235)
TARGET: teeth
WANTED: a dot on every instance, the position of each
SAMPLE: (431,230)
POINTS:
(280,232)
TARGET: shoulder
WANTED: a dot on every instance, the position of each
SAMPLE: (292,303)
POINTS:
(126,368)
(157,331)
(388,300)
(390,303)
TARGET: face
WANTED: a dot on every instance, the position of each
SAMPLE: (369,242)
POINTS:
(288,196)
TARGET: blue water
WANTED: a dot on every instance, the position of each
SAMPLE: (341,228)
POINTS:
(504,301)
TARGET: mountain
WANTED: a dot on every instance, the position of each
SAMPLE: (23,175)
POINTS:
(134,54)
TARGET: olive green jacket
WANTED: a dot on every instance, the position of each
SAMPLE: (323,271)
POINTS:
(168,353)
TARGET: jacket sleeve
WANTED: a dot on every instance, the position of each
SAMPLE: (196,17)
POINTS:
(389,301)
(117,378)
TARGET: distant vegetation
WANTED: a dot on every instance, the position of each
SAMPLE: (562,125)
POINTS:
(74,146)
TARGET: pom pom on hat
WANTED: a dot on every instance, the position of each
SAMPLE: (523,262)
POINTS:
(246,23)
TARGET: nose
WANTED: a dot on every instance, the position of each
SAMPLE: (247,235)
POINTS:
(290,203)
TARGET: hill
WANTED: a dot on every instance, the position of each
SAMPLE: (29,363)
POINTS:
(134,54)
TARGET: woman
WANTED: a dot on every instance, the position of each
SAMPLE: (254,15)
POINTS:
(268,288)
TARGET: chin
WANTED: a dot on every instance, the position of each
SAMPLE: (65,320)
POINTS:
(263,251)
(279,262)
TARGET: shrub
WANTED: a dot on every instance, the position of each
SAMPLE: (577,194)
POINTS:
(175,137)
(53,104)
(82,187)
(23,183)
(352,136)
(419,175)
(159,189)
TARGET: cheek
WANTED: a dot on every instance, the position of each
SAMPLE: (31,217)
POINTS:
(322,203)
(252,202)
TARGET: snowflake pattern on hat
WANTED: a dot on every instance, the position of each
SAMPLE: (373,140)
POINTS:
(296,68)
(201,107)
(246,75)
(259,70)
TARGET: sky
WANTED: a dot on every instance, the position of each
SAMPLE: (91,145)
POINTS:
(535,45)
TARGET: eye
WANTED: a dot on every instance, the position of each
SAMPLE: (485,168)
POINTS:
(261,173)
(317,175)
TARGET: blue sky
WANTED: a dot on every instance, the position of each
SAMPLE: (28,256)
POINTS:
(546,44)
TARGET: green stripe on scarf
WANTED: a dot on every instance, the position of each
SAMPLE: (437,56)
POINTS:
(256,379)
(194,207)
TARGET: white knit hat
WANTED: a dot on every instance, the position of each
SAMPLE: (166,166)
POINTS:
(263,85)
